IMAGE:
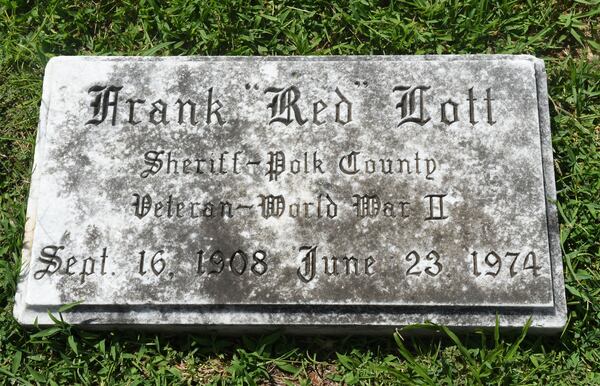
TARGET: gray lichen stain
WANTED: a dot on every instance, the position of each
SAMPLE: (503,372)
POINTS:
(102,181)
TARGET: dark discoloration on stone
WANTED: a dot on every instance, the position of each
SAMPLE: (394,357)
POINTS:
(492,175)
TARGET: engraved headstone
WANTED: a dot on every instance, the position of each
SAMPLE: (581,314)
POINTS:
(338,194)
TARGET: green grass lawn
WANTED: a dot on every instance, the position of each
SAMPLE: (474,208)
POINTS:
(565,34)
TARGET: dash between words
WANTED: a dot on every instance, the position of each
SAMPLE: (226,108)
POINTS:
(284,106)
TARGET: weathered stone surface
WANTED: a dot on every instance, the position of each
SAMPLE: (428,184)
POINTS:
(314,194)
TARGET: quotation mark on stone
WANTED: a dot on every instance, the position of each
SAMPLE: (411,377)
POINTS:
(249,86)
(358,83)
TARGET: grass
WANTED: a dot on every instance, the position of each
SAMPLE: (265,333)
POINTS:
(564,33)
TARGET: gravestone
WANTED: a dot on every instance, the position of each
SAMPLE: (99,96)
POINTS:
(310,194)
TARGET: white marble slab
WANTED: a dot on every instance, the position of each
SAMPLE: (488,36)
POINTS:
(303,193)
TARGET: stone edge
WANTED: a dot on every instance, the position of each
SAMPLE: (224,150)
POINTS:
(20,311)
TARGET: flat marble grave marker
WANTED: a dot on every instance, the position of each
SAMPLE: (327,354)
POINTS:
(311,194)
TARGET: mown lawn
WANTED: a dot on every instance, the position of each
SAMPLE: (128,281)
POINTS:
(565,34)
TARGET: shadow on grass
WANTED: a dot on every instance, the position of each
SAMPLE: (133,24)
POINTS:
(441,357)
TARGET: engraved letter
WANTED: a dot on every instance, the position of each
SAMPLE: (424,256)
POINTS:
(192,111)
(152,158)
(103,261)
(317,109)
(210,110)
(102,102)
(440,214)
(271,206)
(472,107)
(369,261)
(430,165)
(84,271)
(331,207)
(132,103)
(159,107)
(283,103)
(309,261)
(489,100)
(350,161)
(49,256)
(348,104)
(333,265)
(276,164)
(408,104)
(366,205)
(454,112)
(354,261)
(142,205)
